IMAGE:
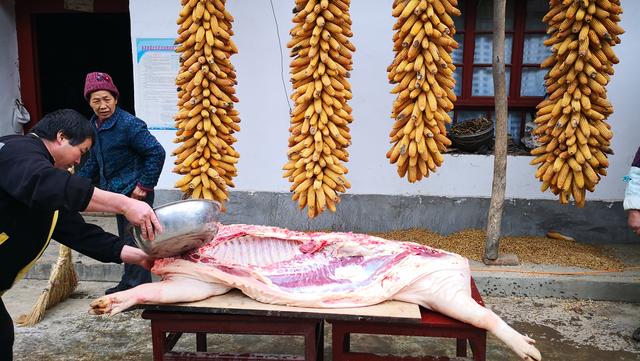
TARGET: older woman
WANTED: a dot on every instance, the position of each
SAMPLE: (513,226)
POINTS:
(125,159)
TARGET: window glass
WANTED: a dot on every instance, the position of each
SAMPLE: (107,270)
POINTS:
(457,75)
(482,83)
(514,120)
(484,49)
(534,50)
(484,19)
(532,82)
(458,21)
(457,53)
(536,9)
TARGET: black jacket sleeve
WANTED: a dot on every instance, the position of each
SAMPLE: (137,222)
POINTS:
(86,238)
(30,178)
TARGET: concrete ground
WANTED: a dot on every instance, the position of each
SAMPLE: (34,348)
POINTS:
(546,302)
(564,330)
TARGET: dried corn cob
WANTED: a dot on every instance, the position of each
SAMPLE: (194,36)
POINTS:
(571,122)
(206,119)
(423,71)
(319,131)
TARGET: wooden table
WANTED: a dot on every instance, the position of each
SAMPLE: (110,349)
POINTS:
(234,313)
(432,324)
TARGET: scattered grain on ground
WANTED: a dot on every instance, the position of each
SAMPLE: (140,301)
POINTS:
(537,250)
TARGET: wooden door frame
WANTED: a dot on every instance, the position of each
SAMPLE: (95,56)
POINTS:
(27,44)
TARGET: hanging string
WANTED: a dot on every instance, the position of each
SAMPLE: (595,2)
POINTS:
(284,84)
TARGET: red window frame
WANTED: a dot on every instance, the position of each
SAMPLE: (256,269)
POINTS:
(516,102)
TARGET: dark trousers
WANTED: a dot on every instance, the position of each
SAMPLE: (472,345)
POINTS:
(133,274)
(6,334)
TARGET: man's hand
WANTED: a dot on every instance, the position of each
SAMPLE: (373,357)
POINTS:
(141,214)
(132,255)
(634,220)
(138,193)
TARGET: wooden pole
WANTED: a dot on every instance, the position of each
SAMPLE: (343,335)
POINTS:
(500,149)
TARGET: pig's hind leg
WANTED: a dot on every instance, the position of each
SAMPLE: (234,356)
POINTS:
(170,290)
(449,293)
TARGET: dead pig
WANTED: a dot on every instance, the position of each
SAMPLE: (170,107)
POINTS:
(330,270)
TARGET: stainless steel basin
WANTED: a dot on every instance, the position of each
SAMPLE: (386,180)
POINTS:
(187,225)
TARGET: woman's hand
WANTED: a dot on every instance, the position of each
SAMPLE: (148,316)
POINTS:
(132,255)
(141,214)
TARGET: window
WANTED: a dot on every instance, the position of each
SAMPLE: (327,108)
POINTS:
(524,51)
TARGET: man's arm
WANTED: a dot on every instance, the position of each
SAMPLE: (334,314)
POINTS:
(88,239)
(30,178)
(137,212)
(93,241)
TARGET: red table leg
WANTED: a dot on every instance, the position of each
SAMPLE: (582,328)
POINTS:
(479,347)
(176,323)
(201,342)
(461,347)
(432,324)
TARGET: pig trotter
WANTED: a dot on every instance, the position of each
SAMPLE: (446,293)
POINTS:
(170,290)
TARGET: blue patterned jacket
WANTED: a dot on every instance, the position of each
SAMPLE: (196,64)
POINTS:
(124,155)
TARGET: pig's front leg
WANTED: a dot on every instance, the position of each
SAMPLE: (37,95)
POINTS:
(171,290)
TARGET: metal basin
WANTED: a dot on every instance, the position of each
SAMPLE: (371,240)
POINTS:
(187,224)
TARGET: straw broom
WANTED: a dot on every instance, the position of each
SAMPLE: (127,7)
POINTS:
(62,282)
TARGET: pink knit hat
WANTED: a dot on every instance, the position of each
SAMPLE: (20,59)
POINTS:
(99,81)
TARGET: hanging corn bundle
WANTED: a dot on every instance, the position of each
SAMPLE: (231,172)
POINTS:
(319,131)
(571,122)
(206,119)
(423,71)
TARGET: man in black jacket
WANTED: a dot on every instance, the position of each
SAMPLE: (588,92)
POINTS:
(40,200)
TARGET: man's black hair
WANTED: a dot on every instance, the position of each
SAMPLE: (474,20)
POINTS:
(73,125)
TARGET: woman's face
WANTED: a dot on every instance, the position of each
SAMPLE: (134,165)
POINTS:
(103,104)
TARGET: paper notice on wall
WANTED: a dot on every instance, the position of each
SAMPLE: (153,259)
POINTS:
(156,69)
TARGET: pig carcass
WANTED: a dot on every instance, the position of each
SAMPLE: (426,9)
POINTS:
(330,270)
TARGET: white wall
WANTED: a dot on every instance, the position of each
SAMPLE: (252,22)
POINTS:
(262,141)
(9,85)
